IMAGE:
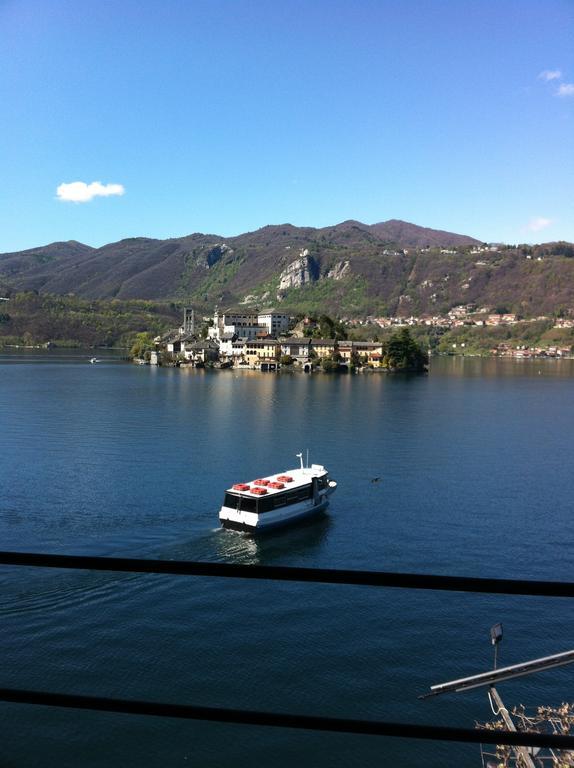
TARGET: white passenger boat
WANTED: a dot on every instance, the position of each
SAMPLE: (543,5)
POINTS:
(269,502)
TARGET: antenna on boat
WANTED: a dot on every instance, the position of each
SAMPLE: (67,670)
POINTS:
(307,458)
(300,456)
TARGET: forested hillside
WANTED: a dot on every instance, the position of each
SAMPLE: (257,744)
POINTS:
(351,269)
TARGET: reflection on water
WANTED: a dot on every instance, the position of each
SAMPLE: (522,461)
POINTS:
(495,367)
(299,539)
(62,355)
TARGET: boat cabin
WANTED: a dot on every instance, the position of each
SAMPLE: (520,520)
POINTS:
(245,501)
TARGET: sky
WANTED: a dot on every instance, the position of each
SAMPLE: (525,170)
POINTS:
(159,118)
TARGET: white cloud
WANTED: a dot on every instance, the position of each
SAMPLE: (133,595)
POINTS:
(80,192)
(565,89)
(538,223)
(550,74)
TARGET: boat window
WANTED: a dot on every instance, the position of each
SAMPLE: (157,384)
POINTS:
(268,503)
(248,505)
(243,503)
(265,504)
(299,494)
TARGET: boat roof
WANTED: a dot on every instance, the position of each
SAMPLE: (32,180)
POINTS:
(301,477)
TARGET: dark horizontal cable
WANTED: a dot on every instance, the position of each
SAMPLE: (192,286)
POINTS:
(276,719)
(284,573)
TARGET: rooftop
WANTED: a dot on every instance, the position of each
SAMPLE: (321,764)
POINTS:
(301,477)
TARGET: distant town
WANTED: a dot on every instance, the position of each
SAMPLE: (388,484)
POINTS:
(261,341)
(470,316)
(269,340)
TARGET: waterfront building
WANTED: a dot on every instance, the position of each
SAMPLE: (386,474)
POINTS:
(323,347)
(175,344)
(226,345)
(298,349)
(201,351)
(257,351)
(345,350)
(238,351)
(369,352)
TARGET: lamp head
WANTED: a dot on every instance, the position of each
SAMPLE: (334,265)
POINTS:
(496,634)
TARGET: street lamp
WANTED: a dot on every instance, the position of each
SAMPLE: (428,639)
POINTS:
(495,638)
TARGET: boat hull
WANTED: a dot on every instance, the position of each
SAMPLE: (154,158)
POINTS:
(250,522)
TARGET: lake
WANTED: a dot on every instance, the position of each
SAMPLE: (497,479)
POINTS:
(475,466)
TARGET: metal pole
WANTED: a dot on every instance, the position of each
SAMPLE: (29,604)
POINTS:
(504,673)
(522,756)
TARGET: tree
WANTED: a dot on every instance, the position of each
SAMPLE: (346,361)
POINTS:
(402,353)
(204,330)
(143,343)
(549,720)
(328,365)
(331,329)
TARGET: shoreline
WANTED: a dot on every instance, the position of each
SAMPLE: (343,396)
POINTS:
(520,357)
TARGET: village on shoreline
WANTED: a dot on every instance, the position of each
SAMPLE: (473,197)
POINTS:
(269,341)
(473,318)
(264,341)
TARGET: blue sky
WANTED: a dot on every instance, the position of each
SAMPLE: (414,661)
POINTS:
(222,116)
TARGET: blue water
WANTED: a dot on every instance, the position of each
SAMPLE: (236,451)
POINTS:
(475,465)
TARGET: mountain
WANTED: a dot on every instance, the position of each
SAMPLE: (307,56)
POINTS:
(349,269)
(411,236)
(39,263)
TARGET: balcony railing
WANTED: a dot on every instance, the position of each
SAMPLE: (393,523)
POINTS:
(381,579)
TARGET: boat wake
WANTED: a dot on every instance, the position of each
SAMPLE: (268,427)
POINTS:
(69,590)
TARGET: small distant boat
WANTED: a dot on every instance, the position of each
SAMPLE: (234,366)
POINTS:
(94,360)
(277,500)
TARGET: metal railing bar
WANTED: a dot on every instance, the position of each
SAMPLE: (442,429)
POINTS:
(287,573)
(285,720)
